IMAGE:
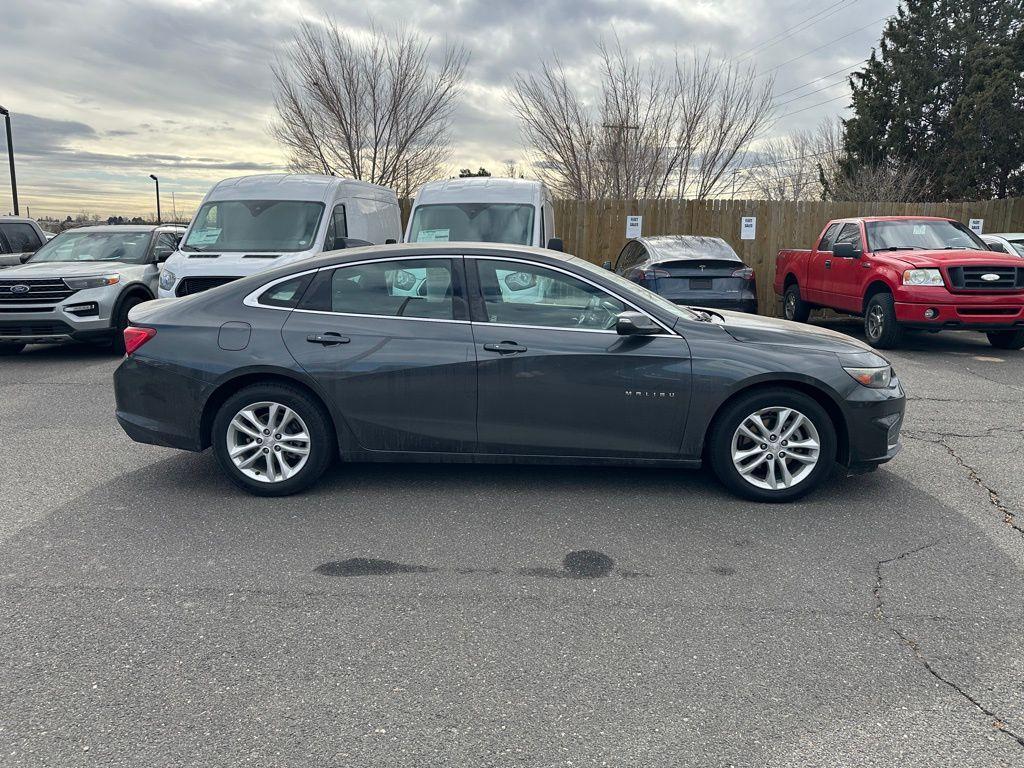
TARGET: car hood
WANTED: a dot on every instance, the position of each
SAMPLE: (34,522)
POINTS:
(768,330)
(924,259)
(66,269)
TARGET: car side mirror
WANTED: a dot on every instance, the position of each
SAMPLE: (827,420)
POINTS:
(607,265)
(520,281)
(845,251)
(162,254)
(26,256)
(556,244)
(390,241)
(996,247)
(635,324)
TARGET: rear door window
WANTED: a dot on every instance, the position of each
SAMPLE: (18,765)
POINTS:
(21,238)
(425,289)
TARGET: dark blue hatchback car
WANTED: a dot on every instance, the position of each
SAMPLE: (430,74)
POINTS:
(690,269)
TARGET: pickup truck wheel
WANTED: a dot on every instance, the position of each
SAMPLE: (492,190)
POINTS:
(795,308)
(773,445)
(880,325)
(1006,339)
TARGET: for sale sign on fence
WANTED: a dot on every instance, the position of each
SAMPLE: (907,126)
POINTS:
(977,225)
(634,226)
(748,227)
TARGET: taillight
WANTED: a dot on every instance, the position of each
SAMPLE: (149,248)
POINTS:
(642,275)
(135,337)
(747,273)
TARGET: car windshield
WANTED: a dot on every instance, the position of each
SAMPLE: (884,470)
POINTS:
(129,247)
(921,234)
(255,225)
(629,288)
(473,222)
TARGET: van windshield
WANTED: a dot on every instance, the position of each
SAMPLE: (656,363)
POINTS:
(473,222)
(254,225)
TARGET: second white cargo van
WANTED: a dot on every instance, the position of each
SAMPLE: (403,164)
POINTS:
(486,210)
(251,223)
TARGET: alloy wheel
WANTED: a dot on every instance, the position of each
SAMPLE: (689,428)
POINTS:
(875,322)
(775,448)
(268,442)
(790,306)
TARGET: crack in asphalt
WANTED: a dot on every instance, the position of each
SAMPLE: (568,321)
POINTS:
(1009,516)
(997,721)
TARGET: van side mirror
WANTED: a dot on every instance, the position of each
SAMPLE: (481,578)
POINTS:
(26,256)
(845,251)
(556,244)
(390,241)
(635,324)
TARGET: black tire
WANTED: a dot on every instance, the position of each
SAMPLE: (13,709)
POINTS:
(793,307)
(1006,339)
(11,349)
(727,423)
(121,320)
(322,440)
(881,329)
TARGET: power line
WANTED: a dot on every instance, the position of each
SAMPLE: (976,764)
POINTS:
(799,27)
(823,45)
(820,103)
(821,77)
(809,93)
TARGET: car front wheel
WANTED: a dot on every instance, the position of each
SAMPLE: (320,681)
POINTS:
(1006,339)
(773,445)
(273,440)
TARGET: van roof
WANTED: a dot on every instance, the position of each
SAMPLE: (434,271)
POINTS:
(480,190)
(296,186)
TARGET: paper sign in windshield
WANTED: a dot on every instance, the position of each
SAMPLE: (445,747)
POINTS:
(433,236)
(204,237)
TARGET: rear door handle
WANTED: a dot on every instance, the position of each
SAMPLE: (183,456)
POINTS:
(505,348)
(328,339)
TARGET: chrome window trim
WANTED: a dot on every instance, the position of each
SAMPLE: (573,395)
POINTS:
(376,317)
(251,299)
(582,279)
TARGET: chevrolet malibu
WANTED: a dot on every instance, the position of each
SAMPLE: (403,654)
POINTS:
(465,352)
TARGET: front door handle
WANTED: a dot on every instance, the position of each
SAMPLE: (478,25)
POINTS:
(328,339)
(505,348)
(828,263)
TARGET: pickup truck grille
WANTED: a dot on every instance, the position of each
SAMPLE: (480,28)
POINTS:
(971,278)
(41,291)
(190,285)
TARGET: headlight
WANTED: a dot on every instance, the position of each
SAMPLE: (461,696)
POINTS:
(81,283)
(876,378)
(167,279)
(922,277)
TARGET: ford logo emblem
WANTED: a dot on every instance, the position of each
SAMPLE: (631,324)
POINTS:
(989,277)
(20,289)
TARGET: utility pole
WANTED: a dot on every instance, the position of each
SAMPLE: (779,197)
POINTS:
(154,178)
(10,159)
(174,208)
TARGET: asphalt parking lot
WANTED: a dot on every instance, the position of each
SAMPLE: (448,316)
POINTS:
(151,614)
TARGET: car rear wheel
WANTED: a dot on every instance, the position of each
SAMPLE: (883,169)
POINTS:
(793,307)
(1006,339)
(11,349)
(773,445)
(273,440)
(880,326)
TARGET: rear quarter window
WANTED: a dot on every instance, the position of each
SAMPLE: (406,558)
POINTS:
(286,294)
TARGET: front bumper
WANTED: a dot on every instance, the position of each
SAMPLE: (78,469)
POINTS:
(962,310)
(46,323)
(874,418)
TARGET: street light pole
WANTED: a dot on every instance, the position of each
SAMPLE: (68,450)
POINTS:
(10,159)
(154,178)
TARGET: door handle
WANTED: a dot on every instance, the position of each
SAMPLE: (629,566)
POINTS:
(828,263)
(505,348)
(328,339)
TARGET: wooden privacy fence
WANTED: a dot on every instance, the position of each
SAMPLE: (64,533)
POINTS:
(595,230)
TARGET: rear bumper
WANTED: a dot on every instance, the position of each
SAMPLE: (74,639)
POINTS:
(158,406)
(737,304)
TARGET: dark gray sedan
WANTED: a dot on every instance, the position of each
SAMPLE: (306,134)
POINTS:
(690,269)
(474,353)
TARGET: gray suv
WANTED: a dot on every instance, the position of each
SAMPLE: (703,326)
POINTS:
(81,285)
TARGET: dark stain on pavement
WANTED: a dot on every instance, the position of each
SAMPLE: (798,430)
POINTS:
(369,566)
(723,570)
(584,564)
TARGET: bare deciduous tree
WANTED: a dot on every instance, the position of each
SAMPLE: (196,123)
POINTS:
(650,131)
(373,109)
(787,168)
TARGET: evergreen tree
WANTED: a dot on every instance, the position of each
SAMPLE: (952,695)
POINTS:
(944,93)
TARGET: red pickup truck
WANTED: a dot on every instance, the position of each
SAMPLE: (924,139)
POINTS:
(902,272)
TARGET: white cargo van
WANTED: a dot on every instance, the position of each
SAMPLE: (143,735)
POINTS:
(252,223)
(484,210)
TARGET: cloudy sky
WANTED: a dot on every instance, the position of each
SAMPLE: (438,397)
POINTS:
(105,92)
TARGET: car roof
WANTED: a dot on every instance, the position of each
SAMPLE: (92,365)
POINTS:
(118,228)
(1005,235)
(890,218)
